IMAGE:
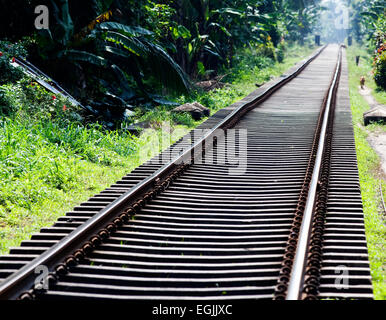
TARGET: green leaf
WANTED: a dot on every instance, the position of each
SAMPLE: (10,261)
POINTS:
(209,50)
(201,68)
(76,55)
(132,44)
(184,32)
(370,14)
(190,48)
(222,28)
(230,11)
(125,29)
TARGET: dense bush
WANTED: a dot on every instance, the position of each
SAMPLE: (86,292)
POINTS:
(380,67)
(370,20)
(4,102)
(28,99)
(6,106)
(8,51)
(380,57)
(280,51)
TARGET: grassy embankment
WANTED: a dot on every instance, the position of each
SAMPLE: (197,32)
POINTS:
(49,162)
(369,167)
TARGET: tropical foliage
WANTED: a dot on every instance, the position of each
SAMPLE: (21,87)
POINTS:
(380,66)
(369,24)
(8,52)
(368,18)
(116,54)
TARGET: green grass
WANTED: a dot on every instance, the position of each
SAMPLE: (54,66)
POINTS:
(368,165)
(46,169)
(49,162)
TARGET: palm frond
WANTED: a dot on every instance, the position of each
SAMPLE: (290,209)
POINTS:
(130,31)
(165,69)
(154,59)
(131,44)
(84,56)
(128,93)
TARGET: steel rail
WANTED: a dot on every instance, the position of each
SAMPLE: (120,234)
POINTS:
(297,274)
(23,279)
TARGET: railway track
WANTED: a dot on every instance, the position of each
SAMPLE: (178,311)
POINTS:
(261,201)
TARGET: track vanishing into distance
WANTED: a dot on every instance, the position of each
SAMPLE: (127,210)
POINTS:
(284,221)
